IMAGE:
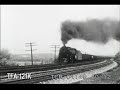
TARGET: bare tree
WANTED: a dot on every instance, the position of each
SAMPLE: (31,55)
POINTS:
(4,54)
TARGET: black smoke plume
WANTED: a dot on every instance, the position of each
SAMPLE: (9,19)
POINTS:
(93,30)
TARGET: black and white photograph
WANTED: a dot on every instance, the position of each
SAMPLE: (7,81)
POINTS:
(59,44)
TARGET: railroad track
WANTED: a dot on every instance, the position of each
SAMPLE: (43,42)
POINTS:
(20,69)
(41,76)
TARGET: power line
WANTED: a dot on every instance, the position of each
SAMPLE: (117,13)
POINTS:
(31,49)
(55,47)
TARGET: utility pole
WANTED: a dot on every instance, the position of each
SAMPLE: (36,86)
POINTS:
(55,47)
(31,44)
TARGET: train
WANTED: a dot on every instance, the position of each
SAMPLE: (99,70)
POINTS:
(69,55)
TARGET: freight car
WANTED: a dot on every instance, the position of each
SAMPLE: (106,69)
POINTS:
(71,55)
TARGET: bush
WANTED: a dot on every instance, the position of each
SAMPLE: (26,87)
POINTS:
(117,58)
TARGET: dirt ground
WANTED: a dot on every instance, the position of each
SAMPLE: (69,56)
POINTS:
(109,77)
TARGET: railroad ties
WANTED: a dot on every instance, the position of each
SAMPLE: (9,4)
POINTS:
(49,72)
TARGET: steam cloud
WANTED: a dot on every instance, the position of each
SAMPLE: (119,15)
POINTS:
(92,30)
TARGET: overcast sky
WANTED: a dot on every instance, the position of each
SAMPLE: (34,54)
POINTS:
(22,24)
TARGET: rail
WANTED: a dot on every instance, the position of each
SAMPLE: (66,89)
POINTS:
(41,76)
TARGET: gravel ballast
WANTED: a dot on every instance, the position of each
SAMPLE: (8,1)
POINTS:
(80,77)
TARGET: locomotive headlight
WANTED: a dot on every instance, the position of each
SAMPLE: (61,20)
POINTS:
(75,56)
(92,56)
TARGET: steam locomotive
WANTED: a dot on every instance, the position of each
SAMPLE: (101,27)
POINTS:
(71,55)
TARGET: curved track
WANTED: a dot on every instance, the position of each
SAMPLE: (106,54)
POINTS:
(40,76)
(20,69)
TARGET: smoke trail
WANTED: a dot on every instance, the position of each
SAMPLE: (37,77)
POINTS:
(92,30)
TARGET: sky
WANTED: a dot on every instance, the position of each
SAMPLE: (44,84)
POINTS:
(41,24)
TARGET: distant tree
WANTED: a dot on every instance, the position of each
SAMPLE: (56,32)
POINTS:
(4,57)
(4,54)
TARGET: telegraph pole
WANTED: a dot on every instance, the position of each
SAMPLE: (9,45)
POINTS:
(31,50)
(55,47)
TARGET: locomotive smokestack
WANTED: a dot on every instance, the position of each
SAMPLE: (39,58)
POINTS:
(64,44)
